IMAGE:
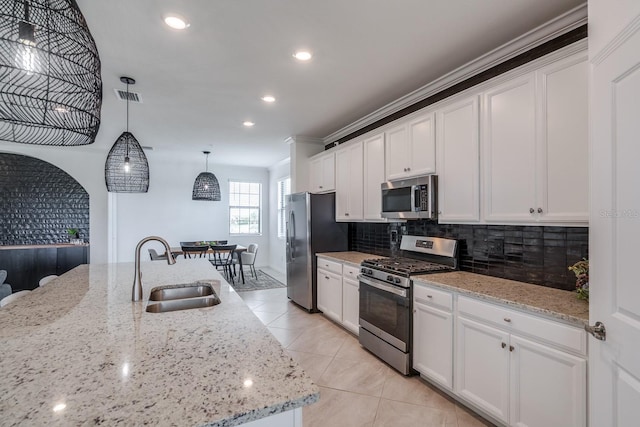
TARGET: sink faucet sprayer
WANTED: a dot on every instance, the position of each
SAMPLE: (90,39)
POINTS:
(136,293)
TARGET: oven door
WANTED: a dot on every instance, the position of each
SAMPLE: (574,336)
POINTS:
(385,311)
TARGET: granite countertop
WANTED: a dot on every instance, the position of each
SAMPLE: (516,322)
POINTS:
(555,303)
(351,257)
(83,344)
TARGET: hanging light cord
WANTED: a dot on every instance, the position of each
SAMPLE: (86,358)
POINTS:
(127,155)
(207,163)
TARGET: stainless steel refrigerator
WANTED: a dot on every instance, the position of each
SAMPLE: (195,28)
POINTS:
(311,228)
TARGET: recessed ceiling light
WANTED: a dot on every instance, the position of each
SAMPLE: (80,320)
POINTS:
(302,55)
(176,22)
(268,98)
(248,123)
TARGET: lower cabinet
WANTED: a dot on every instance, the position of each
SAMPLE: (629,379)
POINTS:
(520,369)
(338,293)
(433,335)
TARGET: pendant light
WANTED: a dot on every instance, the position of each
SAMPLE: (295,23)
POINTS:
(127,169)
(206,186)
(50,84)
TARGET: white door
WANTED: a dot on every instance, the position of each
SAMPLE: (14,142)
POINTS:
(433,344)
(397,154)
(373,176)
(343,184)
(614,364)
(350,304)
(422,139)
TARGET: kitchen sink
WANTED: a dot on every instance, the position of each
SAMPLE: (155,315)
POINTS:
(182,304)
(174,292)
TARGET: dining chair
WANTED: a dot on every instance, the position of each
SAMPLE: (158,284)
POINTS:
(249,258)
(222,256)
(197,251)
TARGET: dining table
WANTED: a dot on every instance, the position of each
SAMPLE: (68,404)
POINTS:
(212,245)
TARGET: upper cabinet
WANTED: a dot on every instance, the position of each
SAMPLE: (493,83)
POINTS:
(457,140)
(536,146)
(373,177)
(349,183)
(322,173)
(410,148)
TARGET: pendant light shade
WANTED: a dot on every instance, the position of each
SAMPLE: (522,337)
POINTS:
(206,186)
(50,84)
(126,169)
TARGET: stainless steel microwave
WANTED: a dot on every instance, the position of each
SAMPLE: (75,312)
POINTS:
(413,198)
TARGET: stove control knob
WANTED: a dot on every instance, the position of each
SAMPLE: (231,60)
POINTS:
(389,278)
(397,280)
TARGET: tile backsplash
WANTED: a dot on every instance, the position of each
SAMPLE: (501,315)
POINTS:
(539,255)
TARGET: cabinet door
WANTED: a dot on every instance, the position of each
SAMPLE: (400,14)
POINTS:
(328,173)
(350,305)
(349,184)
(548,387)
(482,367)
(510,151)
(396,152)
(373,177)
(457,136)
(422,142)
(315,175)
(433,344)
(330,294)
(564,141)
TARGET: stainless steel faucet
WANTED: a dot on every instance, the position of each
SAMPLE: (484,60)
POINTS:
(136,292)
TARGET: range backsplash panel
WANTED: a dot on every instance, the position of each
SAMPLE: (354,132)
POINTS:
(538,255)
(39,202)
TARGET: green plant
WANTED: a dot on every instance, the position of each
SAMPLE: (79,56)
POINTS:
(73,233)
(581,270)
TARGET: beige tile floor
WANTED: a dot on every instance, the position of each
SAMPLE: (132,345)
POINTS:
(356,388)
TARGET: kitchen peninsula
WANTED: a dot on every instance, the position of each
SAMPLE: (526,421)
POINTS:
(81,352)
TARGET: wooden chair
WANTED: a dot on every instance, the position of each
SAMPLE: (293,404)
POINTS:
(222,256)
(196,251)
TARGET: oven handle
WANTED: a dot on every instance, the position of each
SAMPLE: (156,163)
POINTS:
(382,286)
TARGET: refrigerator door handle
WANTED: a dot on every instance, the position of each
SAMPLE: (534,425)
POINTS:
(291,231)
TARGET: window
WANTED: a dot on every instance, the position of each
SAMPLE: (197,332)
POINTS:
(284,188)
(245,210)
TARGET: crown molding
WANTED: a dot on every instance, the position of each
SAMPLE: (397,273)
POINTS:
(562,24)
(304,140)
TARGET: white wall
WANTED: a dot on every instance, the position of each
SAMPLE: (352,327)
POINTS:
(85,165)
(276,245)
(168,211)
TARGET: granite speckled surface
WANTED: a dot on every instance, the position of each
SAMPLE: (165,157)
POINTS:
(351,257)
(82,343)
(554,303)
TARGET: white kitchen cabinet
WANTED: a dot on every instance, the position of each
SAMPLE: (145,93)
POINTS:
(349,182)
(535,146)
(322,173)
(410,148)
(329,288)
(373,177)
(433,334)
(458,166)
(350,298)
(511,364)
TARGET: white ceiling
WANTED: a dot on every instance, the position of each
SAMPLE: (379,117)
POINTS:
(199,85)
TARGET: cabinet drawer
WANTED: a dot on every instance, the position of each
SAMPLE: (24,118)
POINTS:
(349,272)
(431,296)
(333,266)
(563,336)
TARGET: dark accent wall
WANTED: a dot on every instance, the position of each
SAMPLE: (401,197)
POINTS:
(538,255)
(39,202)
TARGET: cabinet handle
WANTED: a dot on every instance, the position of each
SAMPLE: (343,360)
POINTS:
(405,169)
(539,210)
(326,277)
(429,296)
(346,214)
(508,320)
(504,345)
(511,348)
(408,169)
(531,210)
(320,186)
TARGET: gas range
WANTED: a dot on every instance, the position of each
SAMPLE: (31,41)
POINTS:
(421,255)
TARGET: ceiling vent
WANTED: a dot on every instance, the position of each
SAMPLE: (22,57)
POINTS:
(123,95)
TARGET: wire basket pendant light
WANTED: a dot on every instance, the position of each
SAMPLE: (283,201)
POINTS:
(206,186)
(50,83)
(126,169)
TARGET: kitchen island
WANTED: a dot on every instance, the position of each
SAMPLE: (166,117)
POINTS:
(80,352)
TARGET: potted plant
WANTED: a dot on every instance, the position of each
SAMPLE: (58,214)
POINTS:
(74,235)
(581,270)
